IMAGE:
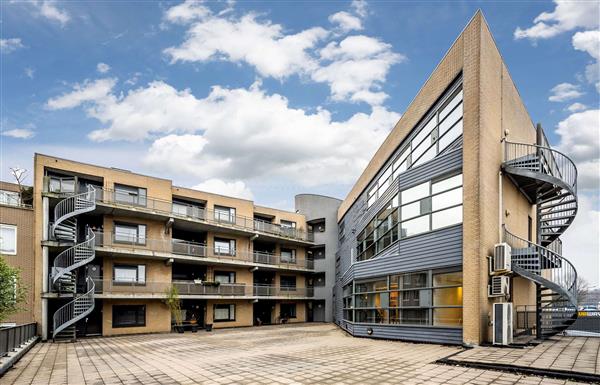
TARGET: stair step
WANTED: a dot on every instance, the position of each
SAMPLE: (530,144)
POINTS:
(563,195)
(561,203)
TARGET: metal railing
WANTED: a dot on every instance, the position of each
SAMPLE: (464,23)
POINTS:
(543,262)
(73,206)
(13,337)
(74,310)
(551,162)
(184,287)
(215,217)
(73,257)
(201,250)
(282,291)
(526,317)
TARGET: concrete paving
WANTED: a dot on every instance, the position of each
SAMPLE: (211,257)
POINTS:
(573,354)
(287,354)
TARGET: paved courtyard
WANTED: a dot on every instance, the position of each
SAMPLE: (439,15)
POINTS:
(574,354)
(288,354)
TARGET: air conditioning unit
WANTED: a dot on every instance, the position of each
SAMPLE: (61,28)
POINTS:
(502,323)
(502,260)
(499,286)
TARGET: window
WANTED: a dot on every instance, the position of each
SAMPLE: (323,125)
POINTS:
(415,298)
(129,274)
(288,282)
(224,246)
(287,310)
(288,224)
(8,239)
(61,185)
(225,214)
(225,276)
(440,129)
(128,316)
(223,313)
(130,195)
(130,233)
(288,255)
(11,198)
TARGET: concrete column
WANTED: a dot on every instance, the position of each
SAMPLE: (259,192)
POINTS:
(44,319)
(46,217)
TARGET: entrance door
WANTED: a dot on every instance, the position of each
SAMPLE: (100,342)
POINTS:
(309,312)
(263,312)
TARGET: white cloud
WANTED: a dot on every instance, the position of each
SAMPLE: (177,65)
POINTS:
(568,15)
(360,7)
(356,69)
(589,41)
(10,45)
(580,140)
(19,133)
(236,189)
(260,44)
(264,136)
(49,10)
(565,91)
(186,12)
(87,92)
(103,68)
(29,72)
(576,107)
(346,22)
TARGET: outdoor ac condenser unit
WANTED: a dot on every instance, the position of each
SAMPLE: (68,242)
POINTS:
(502,258)
(499,286)
(502,324)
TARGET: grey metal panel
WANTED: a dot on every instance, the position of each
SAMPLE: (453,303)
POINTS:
(441,248)
(409,333)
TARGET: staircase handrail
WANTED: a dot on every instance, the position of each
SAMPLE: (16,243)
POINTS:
(65,261)
(66,208)
(65,316)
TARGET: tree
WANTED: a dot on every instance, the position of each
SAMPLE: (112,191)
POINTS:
(25,193)
(12,290)
(582,290)
(174,303)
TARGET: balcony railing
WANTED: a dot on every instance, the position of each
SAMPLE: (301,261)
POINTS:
(159,289)
(282,291)
(183,211)
(194,249)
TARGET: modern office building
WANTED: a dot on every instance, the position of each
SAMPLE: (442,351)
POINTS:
(463,170)
(16,244)
(110,243)
(321,216)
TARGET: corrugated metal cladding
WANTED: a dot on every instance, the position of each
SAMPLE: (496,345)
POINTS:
(437,249)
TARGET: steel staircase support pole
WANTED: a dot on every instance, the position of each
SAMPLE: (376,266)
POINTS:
(538,311)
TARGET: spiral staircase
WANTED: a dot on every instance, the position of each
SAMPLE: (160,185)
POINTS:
(63,274)
(548,179)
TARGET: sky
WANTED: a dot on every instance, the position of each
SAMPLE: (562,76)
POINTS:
(265,100)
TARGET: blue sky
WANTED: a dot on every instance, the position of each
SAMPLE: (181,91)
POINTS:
(269,99)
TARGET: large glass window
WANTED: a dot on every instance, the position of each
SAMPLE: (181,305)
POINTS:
(225,276)
(224,312)
(8,239)
(225,214)
(224,246)
(288,282)
(441,128)
(130,195)
(288,255)
(128,316)
(287,310)
(415,298)
(11,198)
(130,233)
(129,274)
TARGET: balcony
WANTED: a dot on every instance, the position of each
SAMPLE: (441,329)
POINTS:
(109,288)
(105,288)
(175,247)
(282,291)
(196,213)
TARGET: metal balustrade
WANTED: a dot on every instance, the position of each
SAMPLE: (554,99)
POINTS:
(109,196)
(13,337)
(201,250)
(158,289)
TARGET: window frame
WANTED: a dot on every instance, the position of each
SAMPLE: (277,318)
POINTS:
(16,239)
(219,213)
(137,281)
(230,307)
(232,246)
(137,231)
(128,189)
(292,306)
(229,274)
(116,325)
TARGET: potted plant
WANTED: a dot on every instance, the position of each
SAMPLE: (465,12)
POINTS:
(174,303)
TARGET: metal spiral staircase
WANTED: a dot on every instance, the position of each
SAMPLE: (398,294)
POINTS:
(548,179)
(63,275)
